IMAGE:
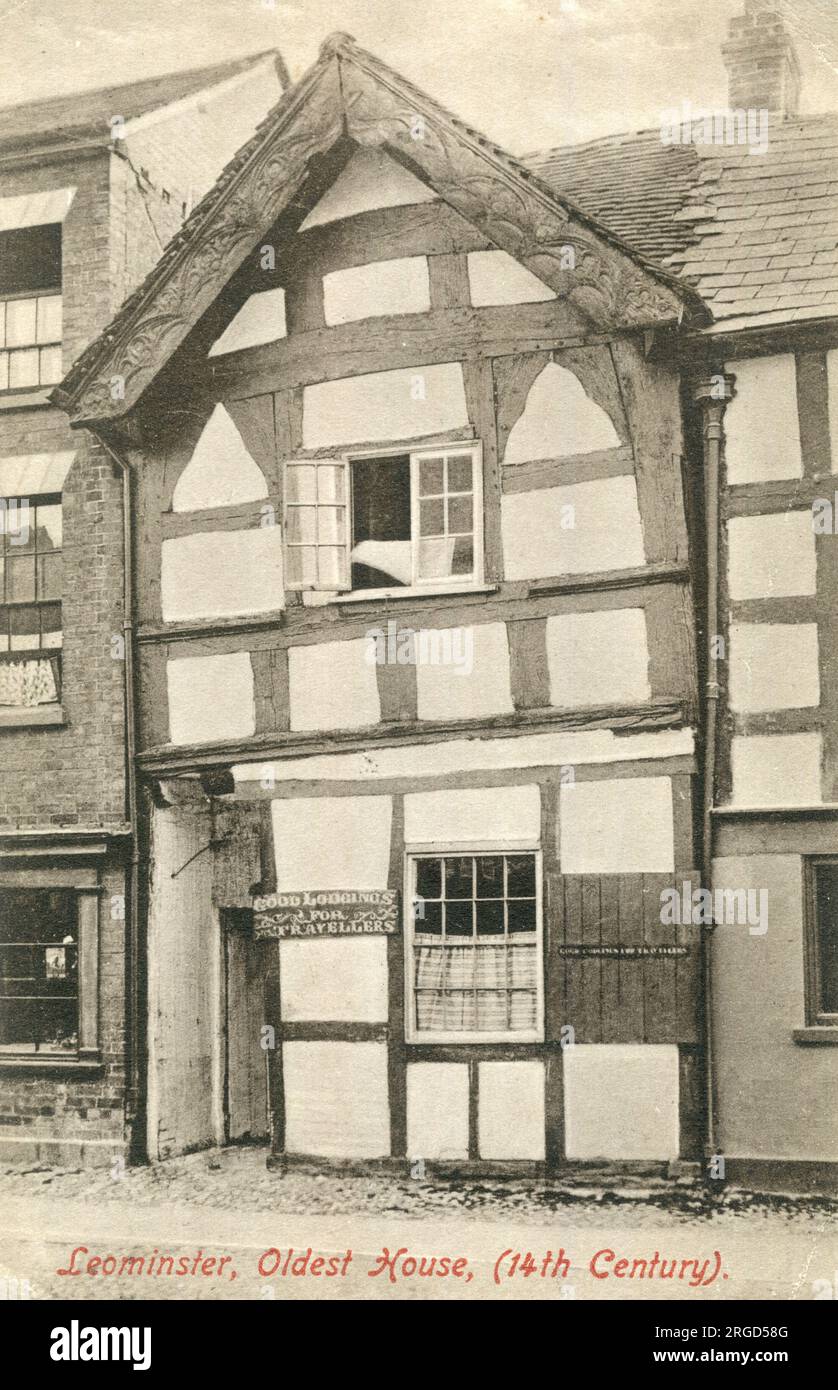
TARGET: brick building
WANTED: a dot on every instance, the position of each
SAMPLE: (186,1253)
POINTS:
(92,187)
(480,611)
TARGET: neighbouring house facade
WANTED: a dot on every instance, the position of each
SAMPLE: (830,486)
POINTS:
(471,506)
(92,187)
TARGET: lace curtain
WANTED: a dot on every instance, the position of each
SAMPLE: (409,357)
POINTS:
(28,683)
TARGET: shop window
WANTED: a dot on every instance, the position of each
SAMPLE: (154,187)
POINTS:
(385,521)
(30,601)
(474,947)
(30,308)
(39,949)
(822,942)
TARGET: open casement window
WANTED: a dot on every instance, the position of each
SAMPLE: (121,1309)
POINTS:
(474,947)
(30,307)
(30,601)
(383,521)
(822,942)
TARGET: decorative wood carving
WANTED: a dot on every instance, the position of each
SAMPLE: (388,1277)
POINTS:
(348,91)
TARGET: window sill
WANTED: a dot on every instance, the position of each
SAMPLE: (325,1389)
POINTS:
(25,398)
(39,716)
(472,1039)
(818,1035)
(55,1065)
(426,591)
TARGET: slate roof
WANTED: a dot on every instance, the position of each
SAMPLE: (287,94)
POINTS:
(755,234)
(83,116)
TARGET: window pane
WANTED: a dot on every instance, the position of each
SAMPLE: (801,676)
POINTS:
(49,576)
(25,627)
(330,484)
(21,322)
(491,1012)
(489,876)
(429,878)
(430,477)
(460,514)
(459,919)
(49,319)
(51,625)
(301,483)
(827,937)
(458,877)
(432,517)
(490,919)
(332,566)
(48,524)
(50,367)
(520,876)
(302,525)
(436,557)
(20,578)
(521,915)
(330,525)
(23,368)
(460,470)
(428,917)
(463,555)
(20,525)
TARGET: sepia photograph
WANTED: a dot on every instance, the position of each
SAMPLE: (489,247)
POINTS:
(419,665)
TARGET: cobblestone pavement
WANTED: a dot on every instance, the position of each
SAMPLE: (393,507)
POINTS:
(227,1203)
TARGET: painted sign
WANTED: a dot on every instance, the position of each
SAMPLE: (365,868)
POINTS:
(622,952)
(317,912)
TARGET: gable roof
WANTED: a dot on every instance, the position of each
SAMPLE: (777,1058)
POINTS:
(81,117)
(755,234)
(348,92)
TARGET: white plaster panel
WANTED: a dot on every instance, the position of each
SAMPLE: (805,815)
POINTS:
(832,380)
(221,471)
(495,277)
(383,287)
(370,180)
(261,319)
(762,436)
(336,1101)
(334,978)
(210,698)
(579,529)
(559,420)
(216,574)
(437,1110)
(479,814)
(771,556)
(510,1110)
(332,842)
(401,404)
(475,686)
(332,686)
(773,666)
(623,826)
(589,748)
(776,769)
(598,658)
(621,1101)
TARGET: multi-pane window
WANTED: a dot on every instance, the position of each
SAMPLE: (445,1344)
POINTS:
(385,521)
(30,307)
(30,601)
(822,944)
(474,947)
(39,1007)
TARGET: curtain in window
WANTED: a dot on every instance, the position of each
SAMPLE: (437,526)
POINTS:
(25,684)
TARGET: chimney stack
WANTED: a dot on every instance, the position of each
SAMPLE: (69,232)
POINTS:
(762,68)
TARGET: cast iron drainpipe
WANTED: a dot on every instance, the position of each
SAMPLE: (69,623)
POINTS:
(713,395)
(132,1100)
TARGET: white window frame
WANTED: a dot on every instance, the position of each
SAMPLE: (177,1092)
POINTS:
(415,454)
(413,1034)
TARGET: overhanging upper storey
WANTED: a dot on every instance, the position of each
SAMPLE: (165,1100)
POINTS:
(350,98)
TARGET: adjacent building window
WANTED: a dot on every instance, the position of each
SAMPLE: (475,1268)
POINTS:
(30,307)
(385,521)
(30,601)
(39,998)
(822,942)
(474,947)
